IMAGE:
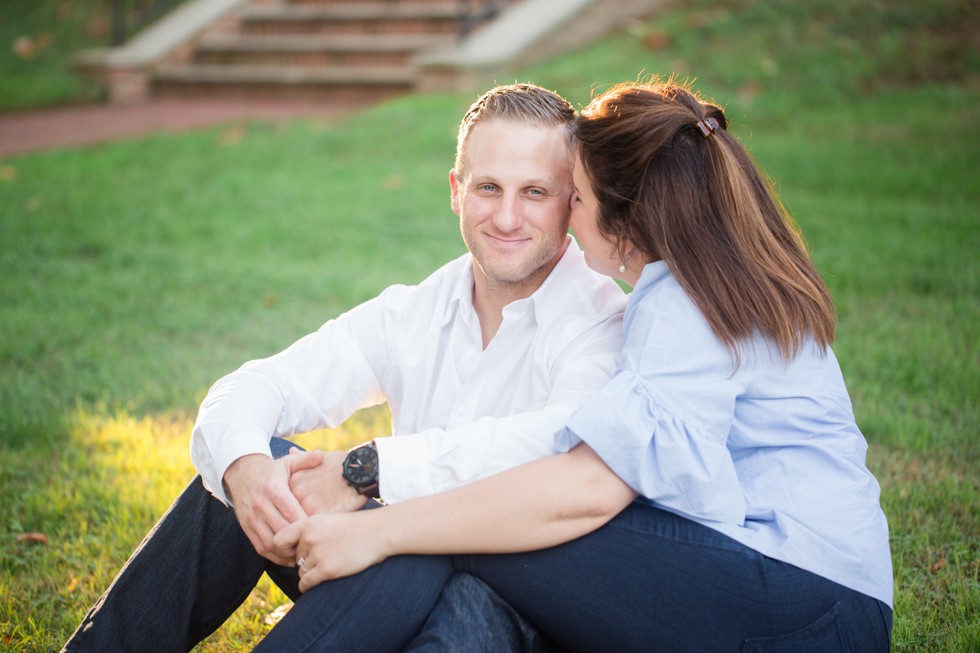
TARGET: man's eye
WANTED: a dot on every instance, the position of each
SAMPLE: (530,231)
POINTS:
(488,188)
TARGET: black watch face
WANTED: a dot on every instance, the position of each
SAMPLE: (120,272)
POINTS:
(361,466)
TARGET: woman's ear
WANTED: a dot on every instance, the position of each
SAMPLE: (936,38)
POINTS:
(627,249)
(454,191)
(636,256)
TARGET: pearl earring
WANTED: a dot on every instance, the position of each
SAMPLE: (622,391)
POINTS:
(622,263)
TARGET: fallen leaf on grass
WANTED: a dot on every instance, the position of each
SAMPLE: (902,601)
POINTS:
(35,538)
(393,182)
(657,40)
(938,565)
(98,27)
(24,47)
(233,135)
(72,585)
(276,615)
(749,91)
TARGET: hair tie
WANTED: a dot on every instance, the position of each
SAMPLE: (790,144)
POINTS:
(707,126)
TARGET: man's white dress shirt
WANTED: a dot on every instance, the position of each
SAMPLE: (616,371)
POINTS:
(459,412)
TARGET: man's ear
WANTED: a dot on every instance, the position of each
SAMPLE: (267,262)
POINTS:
(454,191)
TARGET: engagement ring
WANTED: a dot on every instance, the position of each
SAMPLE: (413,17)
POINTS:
(302,563)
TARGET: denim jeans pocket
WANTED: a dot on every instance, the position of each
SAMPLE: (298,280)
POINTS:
(825,635)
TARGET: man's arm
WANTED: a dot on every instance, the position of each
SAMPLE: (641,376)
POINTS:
(319,381)
(436,460)
(537,505)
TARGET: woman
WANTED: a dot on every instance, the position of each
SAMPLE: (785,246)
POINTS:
(751,522)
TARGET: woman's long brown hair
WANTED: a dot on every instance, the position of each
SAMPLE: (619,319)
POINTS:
(694,199)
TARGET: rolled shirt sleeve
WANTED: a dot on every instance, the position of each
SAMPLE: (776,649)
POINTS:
(317,382)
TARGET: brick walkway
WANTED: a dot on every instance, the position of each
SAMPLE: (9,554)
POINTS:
(48,129)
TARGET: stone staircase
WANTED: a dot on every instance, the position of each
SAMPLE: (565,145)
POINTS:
(314,49)
(357,50)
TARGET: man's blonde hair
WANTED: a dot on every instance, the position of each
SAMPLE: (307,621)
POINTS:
(526,104)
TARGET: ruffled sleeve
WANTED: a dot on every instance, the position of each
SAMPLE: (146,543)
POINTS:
(663,422)
(676,465)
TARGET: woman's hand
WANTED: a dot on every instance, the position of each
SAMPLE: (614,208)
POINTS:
(333,545)
(533,506)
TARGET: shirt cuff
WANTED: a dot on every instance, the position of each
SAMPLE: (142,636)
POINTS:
(229,453)
(403,463)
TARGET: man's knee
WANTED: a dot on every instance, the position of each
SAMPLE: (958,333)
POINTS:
(465,592)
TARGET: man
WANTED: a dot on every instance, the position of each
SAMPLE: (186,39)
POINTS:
(481,365)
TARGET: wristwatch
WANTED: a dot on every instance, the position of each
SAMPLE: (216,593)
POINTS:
(361,470)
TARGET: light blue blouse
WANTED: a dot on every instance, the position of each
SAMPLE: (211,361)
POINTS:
(768,453)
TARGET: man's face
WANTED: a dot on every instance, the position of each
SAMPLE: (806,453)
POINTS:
(512,197)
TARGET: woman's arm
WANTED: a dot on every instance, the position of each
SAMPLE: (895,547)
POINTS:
(534,506)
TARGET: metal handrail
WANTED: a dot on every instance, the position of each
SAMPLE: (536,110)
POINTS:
(476,12)
(130,16)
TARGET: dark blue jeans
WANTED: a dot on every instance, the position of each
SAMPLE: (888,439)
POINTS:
(647,581)
(652,581)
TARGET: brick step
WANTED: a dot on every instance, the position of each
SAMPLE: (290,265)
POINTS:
(391,3)
(350,18)
(314,50)
(246,92)
(291,82)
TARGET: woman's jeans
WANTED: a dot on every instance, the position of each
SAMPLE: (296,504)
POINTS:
(647,581)
(652,581)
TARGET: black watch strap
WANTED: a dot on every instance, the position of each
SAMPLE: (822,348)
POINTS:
(361,470)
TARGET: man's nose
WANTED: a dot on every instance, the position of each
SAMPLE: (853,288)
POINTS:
(509,216)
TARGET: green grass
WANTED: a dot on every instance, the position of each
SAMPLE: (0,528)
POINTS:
(175,256)
(37,39)
(133,274)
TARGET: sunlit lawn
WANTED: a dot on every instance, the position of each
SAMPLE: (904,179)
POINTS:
(134,274)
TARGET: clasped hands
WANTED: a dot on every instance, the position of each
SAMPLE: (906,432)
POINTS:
(270,495)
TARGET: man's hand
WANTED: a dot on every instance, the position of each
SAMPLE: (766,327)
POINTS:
(264,504)
(317,482)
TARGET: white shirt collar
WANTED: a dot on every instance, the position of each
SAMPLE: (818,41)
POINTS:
(552,297)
